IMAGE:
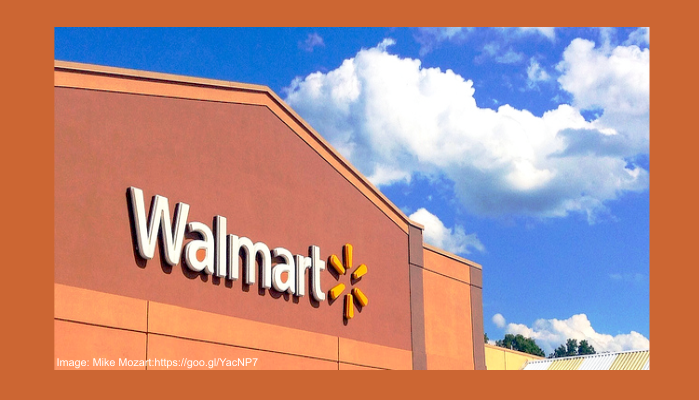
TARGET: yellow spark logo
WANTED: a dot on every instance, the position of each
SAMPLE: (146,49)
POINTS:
(342,269)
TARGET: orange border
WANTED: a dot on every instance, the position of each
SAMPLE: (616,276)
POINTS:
(96,77)
(29,141)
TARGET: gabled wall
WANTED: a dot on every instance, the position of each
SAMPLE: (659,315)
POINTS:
(236,151)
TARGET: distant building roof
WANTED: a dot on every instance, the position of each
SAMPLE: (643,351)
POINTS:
(623,360)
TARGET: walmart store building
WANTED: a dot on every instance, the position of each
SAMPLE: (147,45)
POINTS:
(198,220)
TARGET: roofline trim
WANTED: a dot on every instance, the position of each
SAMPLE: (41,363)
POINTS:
(538,358)
(606,354)
(158,77)
(453,256)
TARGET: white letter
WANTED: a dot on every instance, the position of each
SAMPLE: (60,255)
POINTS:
(302,264)
(221,245)
(289,267)
(317,265)
(235,244)
(207,265)
(159,218)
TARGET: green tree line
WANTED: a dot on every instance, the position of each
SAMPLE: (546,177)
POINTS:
(572,348)
(529,346)
(520,343)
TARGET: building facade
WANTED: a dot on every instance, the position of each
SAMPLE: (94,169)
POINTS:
(199,222)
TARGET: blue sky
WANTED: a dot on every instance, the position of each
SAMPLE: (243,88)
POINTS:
(523,149)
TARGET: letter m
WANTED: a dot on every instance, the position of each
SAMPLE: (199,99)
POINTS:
(158,221)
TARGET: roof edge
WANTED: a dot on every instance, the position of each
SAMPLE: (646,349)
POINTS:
(126,73)
(453,256)
(72,66)
(605,354)
(538,358)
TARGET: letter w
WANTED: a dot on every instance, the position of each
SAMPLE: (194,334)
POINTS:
(159,220)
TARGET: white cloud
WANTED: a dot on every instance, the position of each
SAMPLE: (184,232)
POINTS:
(536,74)
(615,80)
(429,38)
(551,333)
(606,36)
(385,174)
(546,31)
(509,57)
(385,44)
(445,33)
(639,36)
(313,40)
(499,320)
(392,119)
(499,54)
(453,240)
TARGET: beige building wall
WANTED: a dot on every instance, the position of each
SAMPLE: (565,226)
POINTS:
(498,358)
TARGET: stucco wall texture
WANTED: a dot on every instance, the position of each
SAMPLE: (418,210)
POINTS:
(245,161)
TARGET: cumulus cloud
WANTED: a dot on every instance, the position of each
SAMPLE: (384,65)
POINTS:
(453,240)
(313,40)
(615,80)
(499,320)
(393,119)
(551,333)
